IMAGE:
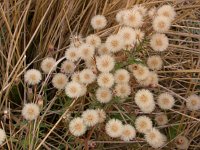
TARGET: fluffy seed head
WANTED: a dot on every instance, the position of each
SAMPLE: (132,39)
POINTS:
(155,62)
(32,76)
(161,119)
(122,76)
(83,90)
(193,102)
(98,22)
(182,142)
(167,11)
(75,77)
(144,100)
(90,117)
(114,43)
(143,124)
(133,19)
(152,12)
(105,63)
(139,35)
(2,136)
(161,24)
(128,132)
(77,127)
(155,138)
(122,90)
(30,111)
(68,66)
(93,40)
(149,109)
(151,80)
(159,42)
(72,54)
(86,51)
(59,81)
(140,72)
(114,128)
(141,9)
(90,63)
(128,35)
(73,89)
(87,76)
(105,80)
(166,101)
(48,64)
(76,41)
(120,16)
(102,50)
(103,95)
(102,115)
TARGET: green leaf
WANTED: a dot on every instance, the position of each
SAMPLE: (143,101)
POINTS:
(173,131)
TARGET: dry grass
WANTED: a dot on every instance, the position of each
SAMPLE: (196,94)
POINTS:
(29,28)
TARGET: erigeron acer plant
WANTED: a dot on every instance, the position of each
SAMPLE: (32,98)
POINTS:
(105,70)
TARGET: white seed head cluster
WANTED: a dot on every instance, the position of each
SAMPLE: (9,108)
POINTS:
(102,50)
(98,22)
(167,11)
(68,66)
(93,61)
(30,111)
(139,35)
(128,35)
(83,90)
(121,76)
(75,77)
(141,9)
(90,63)
(128,132)
(72,54)
(151,80)
(122,90)
(105,80)
(140,72)
(73,89)
(77,126)
(159,42)
(2,136)
(145,101)
(102,115)
(93,40)
(48,64)
(133,18)
(155,62)
(155,138)
(76,41)
(143,124)
(114,43)
(161,24)
(105,63)
(114,128)
(103,95)
(182,142)
(193,102)
(120,16)
(90,117)
(152,12)
(161,119)
(87,76)
(86,51)
(166,101)
(32,76)
(59,81)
